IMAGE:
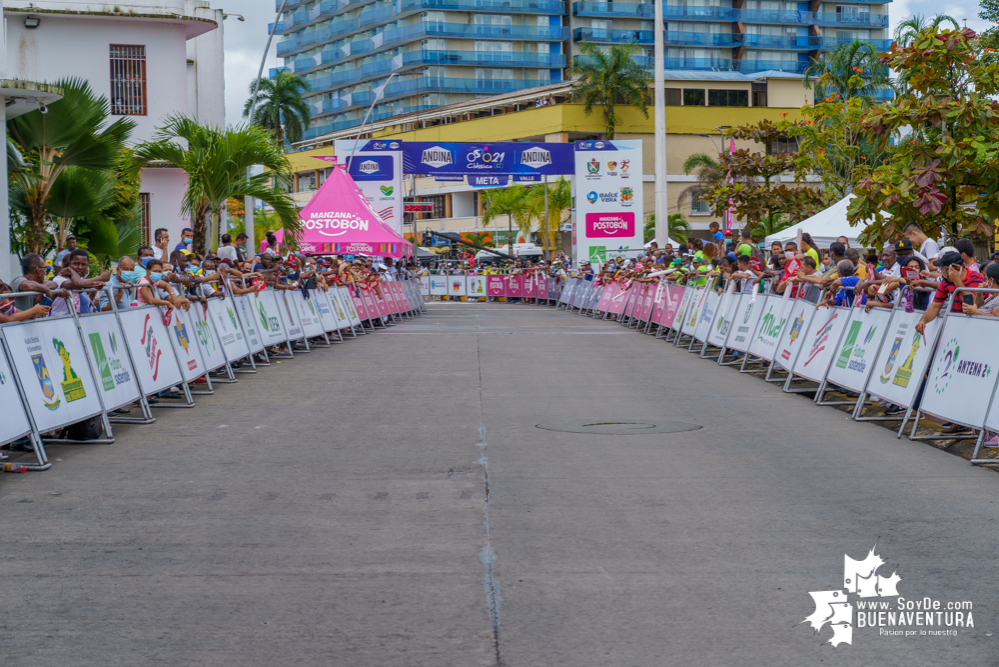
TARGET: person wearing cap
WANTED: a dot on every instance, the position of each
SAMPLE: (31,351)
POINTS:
(70,247)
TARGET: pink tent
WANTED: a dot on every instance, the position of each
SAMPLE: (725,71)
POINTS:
(339,220)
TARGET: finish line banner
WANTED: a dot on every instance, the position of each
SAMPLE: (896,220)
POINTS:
(488,159)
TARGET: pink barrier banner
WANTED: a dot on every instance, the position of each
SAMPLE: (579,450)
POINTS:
(673,302)
(359,306)
(381,304)
(659,303)
(638,290)
(605,297)
(400,298)
(619,300)
(495,286)
(530,285)
(647,302)
(390,297)
(369,304)
(515,286)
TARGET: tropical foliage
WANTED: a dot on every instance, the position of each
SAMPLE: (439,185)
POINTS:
(852,69)
(677,227)
(525,207)
(609,76)
(63,161)
(280,107)
(216,161)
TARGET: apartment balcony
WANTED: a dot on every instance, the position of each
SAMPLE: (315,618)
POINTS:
(501,6)
(484,58)
(289,46)
(719,39)
(303,64)
(376,15)
(860,20)
(291,4)
(475,31)
(718,64)
(609,9)
(317,36)
(752,66)
(806,43)
(455,85)
(613,36)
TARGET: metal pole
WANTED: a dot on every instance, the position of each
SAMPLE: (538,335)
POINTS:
(248,201)
(662,202)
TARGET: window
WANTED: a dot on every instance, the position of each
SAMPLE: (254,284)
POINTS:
(728,98)
(699,206)
(783,145)
(601,24)
(693,98)
(673,97)
(760,94)
(433,44)
(144,223)
(128,80)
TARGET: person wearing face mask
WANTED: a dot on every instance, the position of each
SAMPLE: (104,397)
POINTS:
(154,278)
(145,254)
(186,239)
(126,275)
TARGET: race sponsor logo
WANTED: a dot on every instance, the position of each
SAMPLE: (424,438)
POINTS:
(110,369)
(45,381)
(904,372)
(592,197)
(483,158)
(821,338)
(593,167)
(436,157)
(151,347)
(609,225)
(368,167)
(627,194)
(72,384)
(335,223)
(536,157)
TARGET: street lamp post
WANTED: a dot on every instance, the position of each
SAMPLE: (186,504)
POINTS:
(662,201)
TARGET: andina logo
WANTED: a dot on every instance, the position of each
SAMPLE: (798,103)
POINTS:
(536,157)
(436,157)
(865,589)
(368,167)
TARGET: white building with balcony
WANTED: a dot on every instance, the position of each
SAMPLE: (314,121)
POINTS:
(150,59)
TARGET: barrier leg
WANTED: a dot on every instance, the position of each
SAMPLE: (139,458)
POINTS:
(147,415)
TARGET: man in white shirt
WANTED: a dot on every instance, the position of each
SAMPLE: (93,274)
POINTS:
(161,244)
(928,247)
(227,249)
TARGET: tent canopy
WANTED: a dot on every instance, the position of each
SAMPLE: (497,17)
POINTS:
(825,226)
(338,219)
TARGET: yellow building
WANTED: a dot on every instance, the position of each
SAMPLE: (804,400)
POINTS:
(701,104)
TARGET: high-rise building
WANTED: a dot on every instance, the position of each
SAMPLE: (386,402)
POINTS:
(444,52)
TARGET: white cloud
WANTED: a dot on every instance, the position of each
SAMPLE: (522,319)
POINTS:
(244,47)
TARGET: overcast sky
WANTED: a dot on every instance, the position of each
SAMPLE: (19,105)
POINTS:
(244,41)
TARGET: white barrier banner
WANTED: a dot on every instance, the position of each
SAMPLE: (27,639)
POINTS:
(594,297)
(902,362)
(476,286)
(800,313)
(456,285)
(15,420)
(249,317)
(223,314)
(747,317)
(348,306)
(711,303)
(570,287)
(424,283)
(820,341)
(438,285)
(696,306)
(181,327)
(963,373)
(308,313)
(723,318)
(48,357)
(115,375)
(211,346)
(149,342)
(325,309)
(764,344)
(289,315)
(855,357)
(339,311)
(271,324)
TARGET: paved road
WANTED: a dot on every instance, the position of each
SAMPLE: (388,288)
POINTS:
(390,502)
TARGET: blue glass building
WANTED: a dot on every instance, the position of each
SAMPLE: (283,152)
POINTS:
(447,51)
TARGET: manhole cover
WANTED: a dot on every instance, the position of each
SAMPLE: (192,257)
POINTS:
(619,427)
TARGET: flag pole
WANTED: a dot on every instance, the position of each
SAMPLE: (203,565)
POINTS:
(662,202)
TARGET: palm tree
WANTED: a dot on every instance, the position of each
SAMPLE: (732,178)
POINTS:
(505,201)
(677,227)
(559,201)
(70,175)
(907,31)
(708,172)
(216,161)
(608,76)
(280,107)
(770,224)
(484,239)
(835,70)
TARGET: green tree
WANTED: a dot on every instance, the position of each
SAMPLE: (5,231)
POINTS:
(836,72)
(71,150)
(216,161)
(280,106)
(677,227)
(945,171)
(909,29)
(116,229)
(559,201)
(708,173)
(609,76)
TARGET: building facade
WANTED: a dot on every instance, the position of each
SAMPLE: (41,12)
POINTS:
(444,52)
(149,59)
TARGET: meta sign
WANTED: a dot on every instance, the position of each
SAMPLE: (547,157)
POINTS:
(488,159)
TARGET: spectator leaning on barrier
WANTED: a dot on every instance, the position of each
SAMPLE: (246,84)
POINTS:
(10,313)
(32,279)
(954,274)
(75,276)
(126,275)
(991,305)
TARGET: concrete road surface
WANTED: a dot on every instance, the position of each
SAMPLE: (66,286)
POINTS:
(391,502)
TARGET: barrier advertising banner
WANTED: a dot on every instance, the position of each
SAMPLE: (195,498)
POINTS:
(340,312)
(515,286)
(691,317)
(676,300)
(324,307)
(723,318)
(746,318)
(223,315)
(289,316)
(711,303)
(148,340)
(424,282)
(180,326)
(854,359)
(49,359)
(271,324)
(902,361)
(308,314)
(800,313)
(211,346)
(768,332)
(438,285)
(605,297)
(246,310)
(15,422)
(963,374)
(529,286)
(456,285)
(347,302)
(106,343)
(476,286)
(495,286)
(820,341)
(608,191)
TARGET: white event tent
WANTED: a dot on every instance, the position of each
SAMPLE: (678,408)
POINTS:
(825,226)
